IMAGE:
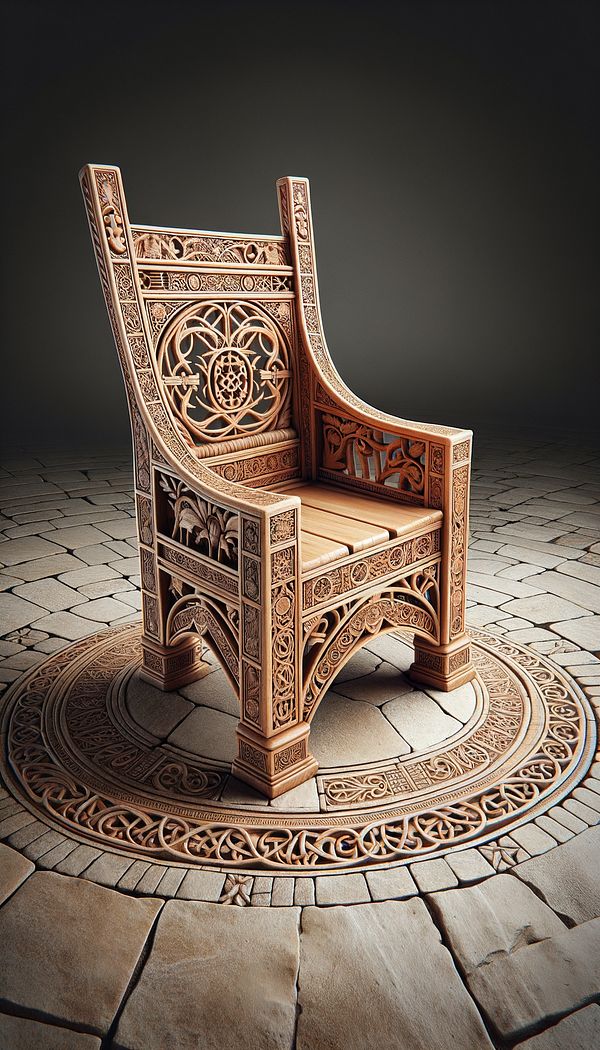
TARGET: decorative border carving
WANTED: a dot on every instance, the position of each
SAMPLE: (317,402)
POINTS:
(192,281)
(458,549)
(210,247)
(549,766)
(369,568)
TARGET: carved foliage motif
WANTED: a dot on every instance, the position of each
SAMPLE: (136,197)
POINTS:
(194,247)
(360,451)
(226,370)
(196,522)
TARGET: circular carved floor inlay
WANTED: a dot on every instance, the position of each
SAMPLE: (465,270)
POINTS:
(405,773)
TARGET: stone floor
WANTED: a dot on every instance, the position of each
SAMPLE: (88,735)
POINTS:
(483,947)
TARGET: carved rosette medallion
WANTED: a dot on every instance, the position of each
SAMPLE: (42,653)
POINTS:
(226,370)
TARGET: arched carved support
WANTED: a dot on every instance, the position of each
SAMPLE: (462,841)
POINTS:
(333,637)
(205,616)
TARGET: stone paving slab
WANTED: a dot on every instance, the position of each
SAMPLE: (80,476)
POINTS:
(21,1033)
(366,979)
(540,981)
(494,918)
(580,1031)
(93,938)
(569,877)
(217,977)
(14,869)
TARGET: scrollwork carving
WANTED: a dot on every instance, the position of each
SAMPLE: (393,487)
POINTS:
(226,370)
(194,247)
(359,451)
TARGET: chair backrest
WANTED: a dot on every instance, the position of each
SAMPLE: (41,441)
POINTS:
(220,309)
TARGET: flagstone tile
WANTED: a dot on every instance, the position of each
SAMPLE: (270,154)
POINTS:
(241,996)
(393,953)
(97,936)
(50,594)
(23,1033)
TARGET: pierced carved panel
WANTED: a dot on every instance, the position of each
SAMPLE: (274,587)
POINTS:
(226,370)
(330,639)
(198,523)
(359,451)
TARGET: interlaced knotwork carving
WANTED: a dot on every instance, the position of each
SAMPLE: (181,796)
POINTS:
(458,554)
(226,370)
(66,698)
(196,522)
(360,451)
(283,639)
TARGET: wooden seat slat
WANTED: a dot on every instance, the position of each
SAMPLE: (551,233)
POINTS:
(398,519)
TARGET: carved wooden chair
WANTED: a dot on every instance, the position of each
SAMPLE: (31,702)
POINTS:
(280,518)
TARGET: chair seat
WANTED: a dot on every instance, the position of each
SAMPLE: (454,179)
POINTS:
(336,524)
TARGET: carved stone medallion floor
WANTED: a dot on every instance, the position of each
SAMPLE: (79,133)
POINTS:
(106,758)
(480,941)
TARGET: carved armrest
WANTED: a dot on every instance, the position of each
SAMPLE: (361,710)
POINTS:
(365,448)
(351,442)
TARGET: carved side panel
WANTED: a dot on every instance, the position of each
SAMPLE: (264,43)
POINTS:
(195,522)
(355,451)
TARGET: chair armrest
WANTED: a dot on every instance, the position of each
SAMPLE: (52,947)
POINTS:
(179,460)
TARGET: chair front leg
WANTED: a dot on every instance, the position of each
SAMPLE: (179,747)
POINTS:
(273,753)
(448,665)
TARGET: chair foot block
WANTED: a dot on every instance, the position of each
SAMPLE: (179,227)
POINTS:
(170,668)
(277,764)
(444,667)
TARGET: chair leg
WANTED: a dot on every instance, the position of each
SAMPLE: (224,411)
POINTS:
(443,667)
(274,764)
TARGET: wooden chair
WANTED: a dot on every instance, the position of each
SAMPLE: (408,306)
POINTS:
(280,517)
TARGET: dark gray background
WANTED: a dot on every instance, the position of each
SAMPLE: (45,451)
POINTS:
(453,155)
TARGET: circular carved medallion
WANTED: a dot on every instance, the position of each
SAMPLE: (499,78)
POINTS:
(226,370)
(82,759)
